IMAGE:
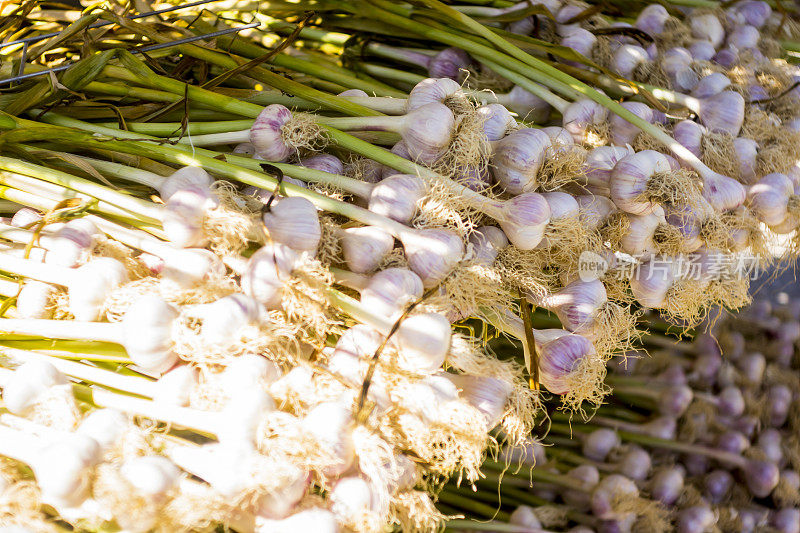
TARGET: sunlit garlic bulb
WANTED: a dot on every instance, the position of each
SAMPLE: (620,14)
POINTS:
(517,159)
(390,291)
(266,272)
(295,223)
(396,197)
(365,247)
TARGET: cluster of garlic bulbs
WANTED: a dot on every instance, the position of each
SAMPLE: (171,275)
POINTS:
(243,374)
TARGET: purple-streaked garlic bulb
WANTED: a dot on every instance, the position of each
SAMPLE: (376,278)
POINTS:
(622,131)
(635,463)
(599,443)
(666,485)
(518,158)
(696,518)
(702,50)
(524,219)
(267,135)
(607,492)
(365,247)
(599,165)
(629,180)
(561,355)
(627,58)
(390,291)
(595,210)
(769,198)
(677,65)
(433,90)
(497,121)
(579,117)
(450,63)
(711,85)
(396,197)
(485,243)
(487,394)
(432,253)
(324,163)
(577,306)
(652,19)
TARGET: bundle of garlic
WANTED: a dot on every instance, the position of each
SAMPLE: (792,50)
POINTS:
(307,260)
(697,436)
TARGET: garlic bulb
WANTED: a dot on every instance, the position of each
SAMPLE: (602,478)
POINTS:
(580,40)
(769,198)
(677,65)
(35,300)
(746,153)
(561,353)
(487,394)
(151,351)
(295,223)
(708,27)
(432,90)
(449,63)
(73,242)
(627,58)
(701,50)
(223,319)
(151,475)
(594,210)
(184,216)
(315,519)
(28,383)
(90,285)
(432,253)
(525,220)
(517,159)
(396,197)
(629,181)
(365,247)
(105,426)
(324,163)
(525,516)
(266,271)
(599,164)
(622,131)
(497,121)
(423,342)
(185,178)
(25,217)
(485,244)
(63,469)
(176,386)
(266,133)
(743,38)
(639,241)
(723,112)
(577,305)
(690,134)
(653,282)
(390,291)
(191,266)
(353,497)
(330,423)
(351,358)
(579,116)
(652,19)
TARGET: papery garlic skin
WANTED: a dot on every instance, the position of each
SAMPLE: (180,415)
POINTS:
(294,222)
(517,159)
(365,247)
(629,178)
